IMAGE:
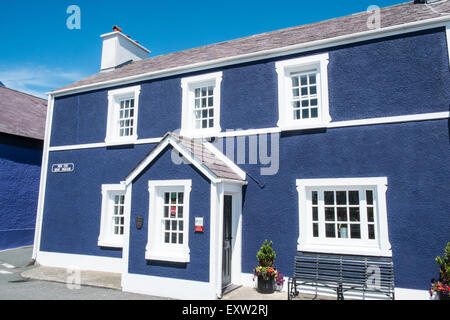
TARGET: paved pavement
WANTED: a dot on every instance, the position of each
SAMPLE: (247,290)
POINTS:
(21,281)
(14,287)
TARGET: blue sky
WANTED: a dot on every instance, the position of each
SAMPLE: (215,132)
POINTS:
(40,53)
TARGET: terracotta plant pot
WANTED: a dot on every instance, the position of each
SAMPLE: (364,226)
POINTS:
(266,286)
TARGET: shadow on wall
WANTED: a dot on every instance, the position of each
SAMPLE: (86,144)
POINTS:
(20,150)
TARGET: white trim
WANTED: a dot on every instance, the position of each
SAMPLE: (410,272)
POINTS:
(411,294)
(284,68)
(380,247)
(250,132)
(168,287)
(187,109)
(266,54)
(82,262)
(447,31)
(126,236)
(44,170)
(155,248)
(106,238)
(112,134)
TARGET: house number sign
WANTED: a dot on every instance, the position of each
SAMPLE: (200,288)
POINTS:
(62,168)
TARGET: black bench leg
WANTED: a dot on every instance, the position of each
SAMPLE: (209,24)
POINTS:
(340,293)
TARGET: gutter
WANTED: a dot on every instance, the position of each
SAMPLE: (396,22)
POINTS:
(265,54)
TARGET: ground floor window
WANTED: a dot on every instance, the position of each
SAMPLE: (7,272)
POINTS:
(112,224)
(343,216)
(168,220)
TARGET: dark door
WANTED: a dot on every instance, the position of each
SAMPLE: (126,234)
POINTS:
(226,257)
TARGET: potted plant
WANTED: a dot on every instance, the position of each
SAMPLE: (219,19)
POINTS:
(268,277)
(442,287)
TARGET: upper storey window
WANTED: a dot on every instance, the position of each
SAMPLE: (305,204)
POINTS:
(122,115)
(201,105)
(303,92)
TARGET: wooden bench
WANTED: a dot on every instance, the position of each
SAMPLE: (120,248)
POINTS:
(343,273)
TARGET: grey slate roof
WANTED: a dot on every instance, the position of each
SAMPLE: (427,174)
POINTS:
(22,114)
(390,16)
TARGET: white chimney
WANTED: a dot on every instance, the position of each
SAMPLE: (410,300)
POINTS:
(119,49)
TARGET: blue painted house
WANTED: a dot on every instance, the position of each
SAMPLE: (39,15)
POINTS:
(22,121)
(330,138)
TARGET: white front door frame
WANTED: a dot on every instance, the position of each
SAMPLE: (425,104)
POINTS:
(218,191)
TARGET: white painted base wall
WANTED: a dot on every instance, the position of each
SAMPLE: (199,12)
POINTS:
(168,287)
(400,293)
(81,262)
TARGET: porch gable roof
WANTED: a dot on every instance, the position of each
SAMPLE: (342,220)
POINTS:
(203,155)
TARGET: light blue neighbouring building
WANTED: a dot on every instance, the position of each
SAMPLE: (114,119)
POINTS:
(331,138)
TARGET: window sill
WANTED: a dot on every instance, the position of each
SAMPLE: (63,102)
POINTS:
(110,244)
(117,142)
(351,250)
(292,126)
(180,257)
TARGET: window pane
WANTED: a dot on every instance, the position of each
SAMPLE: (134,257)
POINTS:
(166,237)
(174,225)
(173,198)
(330,230)
(342,214)
(180,212)
(305,113)
(180,225)
(295,82)
(353,197)
(314,113)
(354,215)
(370,217)
(369,197)
(314,197)
(313,90)
(180,197)
(315,214)
(371,232)
(312,79)
(341,197)
(180,238)
(304,80)
(167,225)
(343,231)
(355,231)
(329,214)
(329,197)
(174,238)
(315,230)
(166,212)
(211,123)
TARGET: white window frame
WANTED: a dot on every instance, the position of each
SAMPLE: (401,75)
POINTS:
(308,243)
(188,86)
(107,238)
(156,249)
(112,129)
(284,69)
